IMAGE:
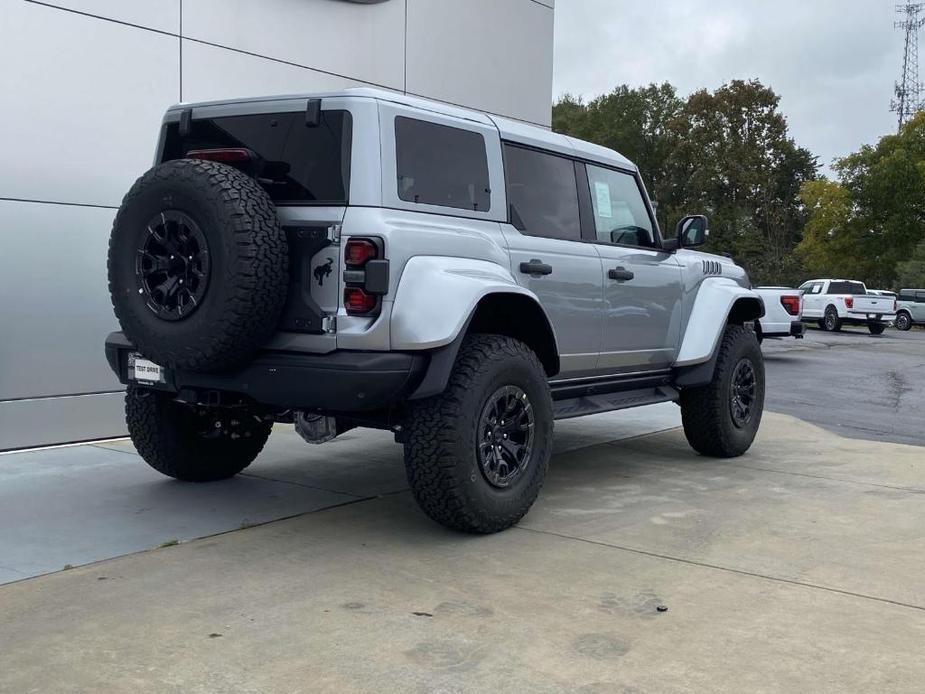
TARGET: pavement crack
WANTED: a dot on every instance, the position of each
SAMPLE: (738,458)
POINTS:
(727,569)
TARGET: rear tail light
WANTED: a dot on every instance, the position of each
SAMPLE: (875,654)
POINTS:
(359,251)
(366,276)
(849,302)
(226,155)
(791,304)
(357,301)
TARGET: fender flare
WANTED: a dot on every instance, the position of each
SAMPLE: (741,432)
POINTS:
(719,301)
(437,295)
(435,303)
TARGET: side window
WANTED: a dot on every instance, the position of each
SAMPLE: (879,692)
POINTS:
(816,288)
(441,165)
(542,193)
(620,214)
(920,297)
(906,295)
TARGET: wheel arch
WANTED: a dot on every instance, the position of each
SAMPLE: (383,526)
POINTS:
(719,302)
(510,314)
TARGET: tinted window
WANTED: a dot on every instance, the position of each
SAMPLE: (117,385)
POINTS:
(620,213)
(920,297)
(907,295)
(542,193)
(295,163)
(440,165)
(853,288)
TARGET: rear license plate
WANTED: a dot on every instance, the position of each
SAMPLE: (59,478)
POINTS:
(144,371)
(873,316)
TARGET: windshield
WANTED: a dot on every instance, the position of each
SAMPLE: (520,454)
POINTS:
(297,164)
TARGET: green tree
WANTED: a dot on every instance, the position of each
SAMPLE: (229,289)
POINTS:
(874,217)
(736,161)
(910,273)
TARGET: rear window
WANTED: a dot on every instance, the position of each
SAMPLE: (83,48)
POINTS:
(441,165)
(297,164)
(853,288)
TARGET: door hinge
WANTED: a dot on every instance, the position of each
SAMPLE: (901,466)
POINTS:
(334,234)
(329,324)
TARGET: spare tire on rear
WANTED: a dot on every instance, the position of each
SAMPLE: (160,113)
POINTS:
(198,265)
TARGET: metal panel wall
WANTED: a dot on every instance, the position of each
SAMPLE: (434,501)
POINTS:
(85,83)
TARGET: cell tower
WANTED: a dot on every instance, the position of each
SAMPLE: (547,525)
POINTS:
(908,99)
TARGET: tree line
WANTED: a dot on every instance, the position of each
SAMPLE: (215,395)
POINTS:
(729,154)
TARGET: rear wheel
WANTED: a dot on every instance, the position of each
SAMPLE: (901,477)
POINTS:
(193,444)
(903,321)
(721,418)
(476,455)
(876,328)
(831,322)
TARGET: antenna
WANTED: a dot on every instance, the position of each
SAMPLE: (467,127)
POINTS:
(908,99)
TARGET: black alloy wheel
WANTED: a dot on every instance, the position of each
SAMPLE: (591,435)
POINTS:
(172,265)
(506,428)
(743,388)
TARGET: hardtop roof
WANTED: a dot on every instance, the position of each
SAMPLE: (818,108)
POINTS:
(509,129)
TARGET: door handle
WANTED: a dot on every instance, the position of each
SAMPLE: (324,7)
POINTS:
(536,267)
(621,274)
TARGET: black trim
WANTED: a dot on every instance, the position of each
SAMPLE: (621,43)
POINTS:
(609,402)
(301,313)
(602,385)
(340,381)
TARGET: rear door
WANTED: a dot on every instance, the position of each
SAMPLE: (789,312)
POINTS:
(547,254)
(305,169)
(918,307)
(641,326)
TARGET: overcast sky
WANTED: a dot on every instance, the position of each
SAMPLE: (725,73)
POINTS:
(833,62)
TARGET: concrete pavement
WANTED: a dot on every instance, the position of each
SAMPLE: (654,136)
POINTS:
(795,568)
(75,505)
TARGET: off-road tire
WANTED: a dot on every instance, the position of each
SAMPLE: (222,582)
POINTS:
(441,450)
(876,328)
(248,275)
(170,437)
(831,323)
(706,410)
(903,321)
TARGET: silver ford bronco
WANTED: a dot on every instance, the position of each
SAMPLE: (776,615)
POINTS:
(367,259)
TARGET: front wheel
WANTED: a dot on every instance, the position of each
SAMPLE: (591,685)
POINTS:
(476,455)
(192,444)
(876,328)
(903,321)
(721,418)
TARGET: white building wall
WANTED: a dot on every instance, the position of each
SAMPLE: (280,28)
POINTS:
(84,85)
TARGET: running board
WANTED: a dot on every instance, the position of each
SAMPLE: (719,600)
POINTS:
(609,402)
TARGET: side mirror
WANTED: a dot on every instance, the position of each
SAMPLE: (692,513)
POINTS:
(692,231)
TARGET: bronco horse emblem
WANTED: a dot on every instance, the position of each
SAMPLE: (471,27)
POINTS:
(323,271)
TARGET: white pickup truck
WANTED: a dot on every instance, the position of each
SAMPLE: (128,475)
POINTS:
(783,313)
(833,303)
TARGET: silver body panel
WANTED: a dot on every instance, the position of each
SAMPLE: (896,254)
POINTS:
(443,261)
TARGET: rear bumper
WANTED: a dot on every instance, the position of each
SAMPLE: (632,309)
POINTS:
(858,318)
(340,381)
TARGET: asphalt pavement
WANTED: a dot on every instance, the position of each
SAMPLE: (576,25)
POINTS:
(852,383)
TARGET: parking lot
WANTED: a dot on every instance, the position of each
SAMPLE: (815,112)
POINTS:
(852,383)
(642,568)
